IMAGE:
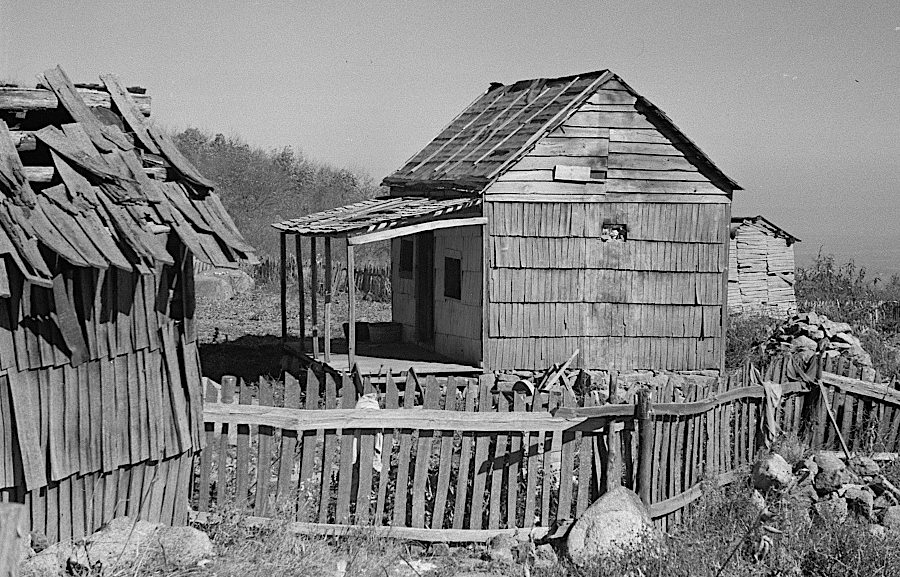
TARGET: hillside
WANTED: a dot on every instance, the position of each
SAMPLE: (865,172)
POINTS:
(259,187)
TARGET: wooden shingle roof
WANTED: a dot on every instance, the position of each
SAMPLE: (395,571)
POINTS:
(374,215)
(85,176)
(501,125)
(763,223)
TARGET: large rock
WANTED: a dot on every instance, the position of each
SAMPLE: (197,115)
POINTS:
(614,522)
(891,518)
(832,510)
(860,500)
(865,466)
(832,473)
(222,284)
(121,543)
(771,472)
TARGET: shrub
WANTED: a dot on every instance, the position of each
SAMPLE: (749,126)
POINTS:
(745,338)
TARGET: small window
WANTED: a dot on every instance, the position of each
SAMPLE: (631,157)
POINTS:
(406,258)
(452,278)
(613,232)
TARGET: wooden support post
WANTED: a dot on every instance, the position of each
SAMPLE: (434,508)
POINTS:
(314,292)
(645,436)
(329,275)
(351,296)
(12,516)
(301,290)
(283,289)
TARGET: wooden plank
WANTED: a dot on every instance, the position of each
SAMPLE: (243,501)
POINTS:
(330,446)
(465,456)
(127,106)
(207,454)
(498,466)
(391,401)
(535,442)
(445,461)
(402,486)
(515,461)
(264,457)
(327,298)
(414,229)
(229,383)
(485,405)
(423,455)
(242,462)
(284,490)
(312,440)
(366,440)
(345,470)
(551,450)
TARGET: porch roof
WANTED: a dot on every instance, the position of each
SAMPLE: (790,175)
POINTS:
(374,215)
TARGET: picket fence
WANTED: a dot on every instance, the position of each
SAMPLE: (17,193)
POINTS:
(450,472)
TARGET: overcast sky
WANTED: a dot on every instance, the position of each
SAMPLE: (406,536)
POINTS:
(797,100)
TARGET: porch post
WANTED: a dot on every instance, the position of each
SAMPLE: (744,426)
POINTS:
(314,279)
(283,246)
(351,295)
(329,274)
(301,289)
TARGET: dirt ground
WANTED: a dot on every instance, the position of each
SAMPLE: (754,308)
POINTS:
(241,336)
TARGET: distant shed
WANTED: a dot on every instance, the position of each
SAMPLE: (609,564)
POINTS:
(761,267)
(100,384)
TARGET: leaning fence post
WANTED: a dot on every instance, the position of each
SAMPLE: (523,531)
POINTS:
(645,437)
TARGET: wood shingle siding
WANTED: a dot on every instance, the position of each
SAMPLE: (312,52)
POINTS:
(100,396)
(761,268)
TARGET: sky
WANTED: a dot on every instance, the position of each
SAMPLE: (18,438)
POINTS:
(796,100)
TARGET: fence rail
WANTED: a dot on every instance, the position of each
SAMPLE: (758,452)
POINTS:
(431,463)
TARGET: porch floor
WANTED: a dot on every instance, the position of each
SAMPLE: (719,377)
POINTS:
(373,359)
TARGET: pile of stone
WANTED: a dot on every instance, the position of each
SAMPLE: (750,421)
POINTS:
(831,487)
(809,333)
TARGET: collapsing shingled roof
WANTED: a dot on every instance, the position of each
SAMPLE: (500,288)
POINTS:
(89,180)
(500,126)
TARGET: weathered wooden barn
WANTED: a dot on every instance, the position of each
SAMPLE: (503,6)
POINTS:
(100,389)
(554,215)
(761,267)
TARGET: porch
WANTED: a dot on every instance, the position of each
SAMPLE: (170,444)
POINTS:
(357,225)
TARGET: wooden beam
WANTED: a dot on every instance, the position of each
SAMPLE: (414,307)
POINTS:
(414,228)
(423,419)
(314,295)
(408,533)
(329,276)
(283,252)
(46,173)
(34,99)
(301,290)
(611,197)
(351,297)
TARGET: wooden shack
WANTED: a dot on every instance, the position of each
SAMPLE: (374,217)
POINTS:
(100,389)
(761,267)
(554,215)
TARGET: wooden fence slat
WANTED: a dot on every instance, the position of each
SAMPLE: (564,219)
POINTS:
(465,456)
(206,456)
(446,460)
(284,487)
(535,442)
(366,439)
(330,446)
(345,471)
(498,466)
(515,462)
(242,463)
(391,401)
(227,393)
(264,457)
(482,464)
(402,484)
(423,455)
(585,444)
(312,441)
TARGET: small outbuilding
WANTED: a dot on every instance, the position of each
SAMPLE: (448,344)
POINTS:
(761,267)
(551,216)
(100,384)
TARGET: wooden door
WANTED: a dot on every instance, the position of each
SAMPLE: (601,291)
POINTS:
(424,280)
